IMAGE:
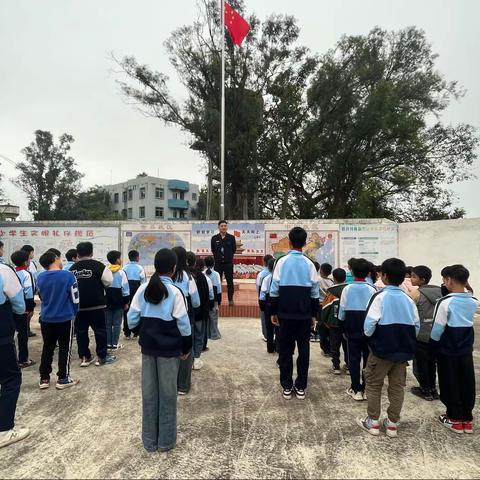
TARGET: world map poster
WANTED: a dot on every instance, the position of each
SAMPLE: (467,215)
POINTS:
(321,245)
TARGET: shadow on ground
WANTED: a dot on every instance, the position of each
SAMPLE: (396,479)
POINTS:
(234,424)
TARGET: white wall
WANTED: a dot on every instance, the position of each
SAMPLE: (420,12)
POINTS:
(440,243)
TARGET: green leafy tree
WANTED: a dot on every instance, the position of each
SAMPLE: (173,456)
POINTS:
(92,204)
(48,176)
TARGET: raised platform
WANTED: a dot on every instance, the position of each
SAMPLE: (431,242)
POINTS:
(245,301)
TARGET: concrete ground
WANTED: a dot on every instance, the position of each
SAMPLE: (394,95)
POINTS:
(234,424)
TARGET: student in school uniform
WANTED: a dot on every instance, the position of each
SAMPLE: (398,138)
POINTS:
(264,304)
(353,306)
(329,318)
(118,298)
(258,283)
(391,326)
(325,282)
(214,276)
(72,257)
(11,301)
(33,269)
(165,341)
(453,336)
(294,294)
(136,276)
(185,282)
(59,292)
(21,261)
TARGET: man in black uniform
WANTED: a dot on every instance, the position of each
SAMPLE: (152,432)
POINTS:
(224,247)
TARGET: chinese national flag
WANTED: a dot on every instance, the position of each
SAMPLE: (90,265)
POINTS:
(236,25)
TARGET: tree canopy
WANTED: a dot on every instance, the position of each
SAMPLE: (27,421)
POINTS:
(355,132)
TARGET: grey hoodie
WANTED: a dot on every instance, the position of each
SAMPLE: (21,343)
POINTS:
(429,294)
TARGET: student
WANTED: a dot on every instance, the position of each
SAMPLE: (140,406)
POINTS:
(407,284)
(21,261)
(93,278)
(392,325)
(424,362)
(214,276)
(118,298)
(33,269)
(350,276)
(136,276)
(452,336)
(264,304)
(294,294)
(329,318)
(353,306)
(258,283)
(72,257)
(201,313)
(185,282)
(59,292)
(325,283)
(372,274)
(57,253)
(11,301)
(165,340)
(314,336)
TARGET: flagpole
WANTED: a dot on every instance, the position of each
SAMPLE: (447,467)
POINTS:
(222,117)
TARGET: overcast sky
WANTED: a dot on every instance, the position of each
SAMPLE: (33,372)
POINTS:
(56,73)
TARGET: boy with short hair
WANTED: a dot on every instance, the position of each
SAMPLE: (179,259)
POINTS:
(72,257)
(93,278)
(452,335)
(59,292)
(353,306)
(21,261)
(392,325)
(294,295)
(258,283)
(32,268)
(118,298)
(329,318)
(424,362)
(136,276)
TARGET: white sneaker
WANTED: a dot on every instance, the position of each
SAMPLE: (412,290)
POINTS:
(390,428)
(14,435)
(369,425)
(197,364)
(357,396)
(86,362)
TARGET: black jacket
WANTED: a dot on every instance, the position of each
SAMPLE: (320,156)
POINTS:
(223,249)
(201,313)
(89,274)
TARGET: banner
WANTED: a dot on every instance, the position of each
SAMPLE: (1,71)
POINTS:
(43,237)
(374,242)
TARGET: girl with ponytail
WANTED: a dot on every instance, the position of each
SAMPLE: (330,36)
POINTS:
(165,340)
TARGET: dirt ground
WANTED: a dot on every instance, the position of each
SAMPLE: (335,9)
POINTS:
(233,424)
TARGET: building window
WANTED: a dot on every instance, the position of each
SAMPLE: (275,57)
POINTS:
(158,212)
(141,212)
(181,214)
(115,198)
(175,214)
(179,195)
(130,194)
(142,193)
(194,196)
(159,193)
(124,213)
(129,213)
(125,196)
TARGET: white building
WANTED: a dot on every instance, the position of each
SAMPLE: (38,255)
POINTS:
(153,198)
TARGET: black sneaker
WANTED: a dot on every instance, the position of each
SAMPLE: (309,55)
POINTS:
(299,393)
(422,393)
(287,393)
(435,394)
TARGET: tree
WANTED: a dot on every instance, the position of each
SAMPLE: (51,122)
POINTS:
(375,137)
(48,176)
(92,204)
(143,174)
(194,51)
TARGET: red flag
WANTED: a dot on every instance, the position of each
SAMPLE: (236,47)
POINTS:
(236,233)
(237,26)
